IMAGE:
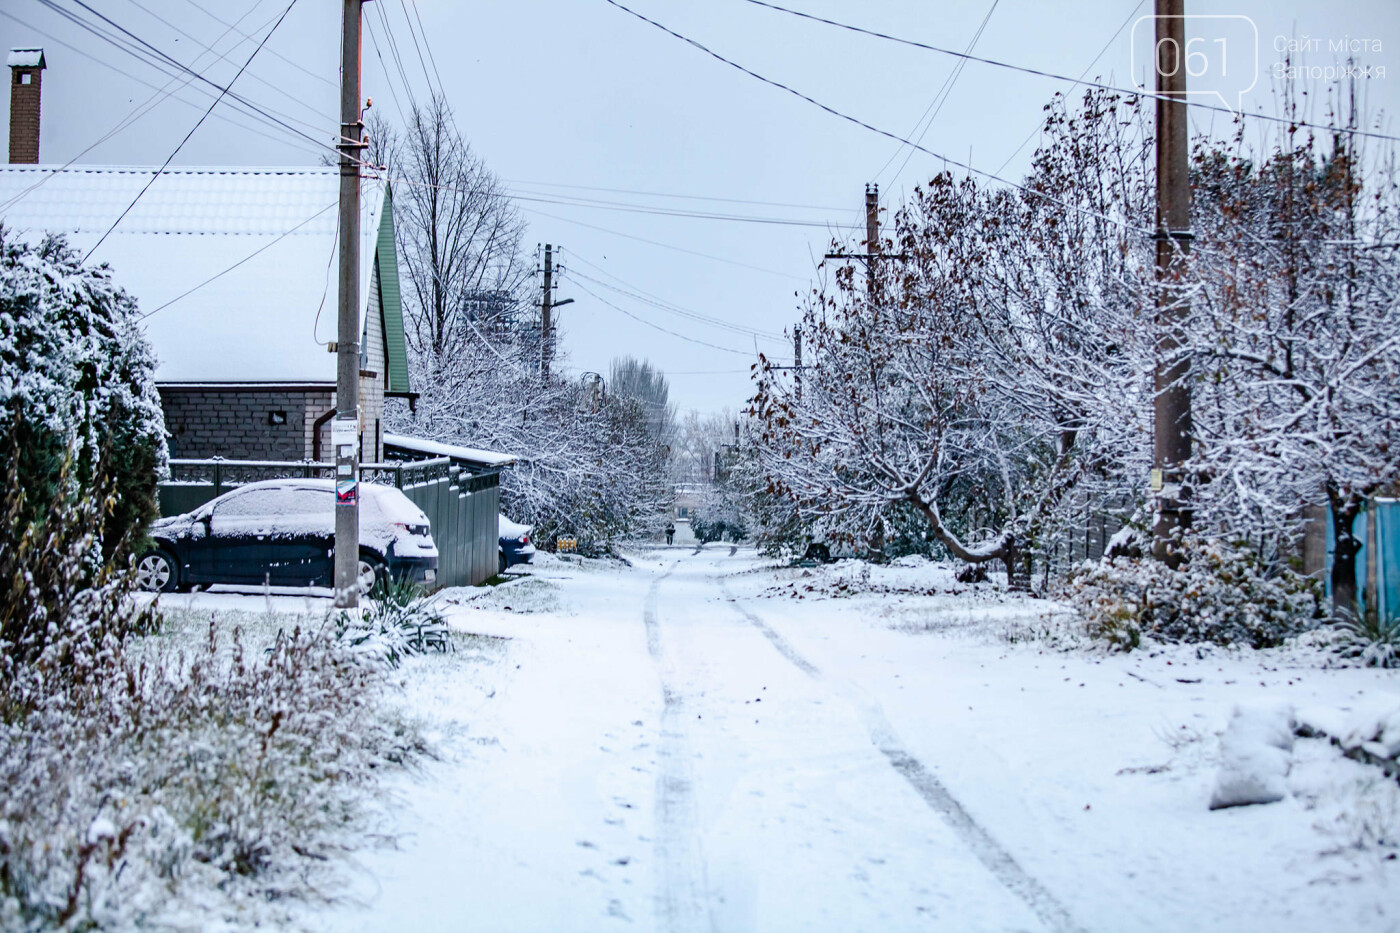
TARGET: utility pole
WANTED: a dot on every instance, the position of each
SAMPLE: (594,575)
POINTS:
(345,426)
(547,306)
(1171,435)
(546,309)
(797,361)
(872,218)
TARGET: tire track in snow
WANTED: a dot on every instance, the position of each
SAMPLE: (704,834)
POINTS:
(681,904)
(989,852)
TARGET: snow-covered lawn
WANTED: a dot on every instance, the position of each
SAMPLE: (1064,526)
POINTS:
(704,741)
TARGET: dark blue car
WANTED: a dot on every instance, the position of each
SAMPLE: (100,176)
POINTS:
(282,533)
(515,543)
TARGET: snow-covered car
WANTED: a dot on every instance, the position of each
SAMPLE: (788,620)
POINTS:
(282,532)
(515,542)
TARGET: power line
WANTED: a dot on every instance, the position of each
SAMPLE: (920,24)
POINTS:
(667,194)
(681,312)
(53,5)
(421,63)
(670,212)
(131,117)
(643,295)
(670,246)
(1136,92)
(1113,38)
(159,90)
(664,330)
(388,82)
(297,65)
(427,46)
(936,105)
(886,133)
(240,262)
(223,57)
(197,125)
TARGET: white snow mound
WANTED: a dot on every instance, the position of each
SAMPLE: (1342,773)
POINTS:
(1255,753)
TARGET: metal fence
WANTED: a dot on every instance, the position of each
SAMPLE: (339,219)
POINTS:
(461,506)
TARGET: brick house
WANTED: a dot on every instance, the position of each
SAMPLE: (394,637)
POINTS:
(234,273)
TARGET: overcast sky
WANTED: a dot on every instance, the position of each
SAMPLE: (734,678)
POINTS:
(575,99)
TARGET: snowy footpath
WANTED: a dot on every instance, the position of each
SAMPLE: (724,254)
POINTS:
(703,741)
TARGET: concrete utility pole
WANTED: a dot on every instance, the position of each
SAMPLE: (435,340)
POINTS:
(872,235)
(1171,437)
(797,361)
(345,426)
(546,312)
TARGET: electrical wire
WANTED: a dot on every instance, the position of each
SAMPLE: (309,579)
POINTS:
(1117,221)
(276,54)
(240,262)
(734,329)
(936,105)
(160,90)
(197,125)
(666,194)
(655,326)
(658,243)
(1113,38)
(130,118)
(374,43)
(225,58)
(223,90)
(1136,92)
(638,294)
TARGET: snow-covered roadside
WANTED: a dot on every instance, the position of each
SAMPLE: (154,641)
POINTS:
(1096,768)
(699,741)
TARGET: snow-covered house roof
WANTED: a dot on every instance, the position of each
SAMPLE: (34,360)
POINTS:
(472,456)
(233,268)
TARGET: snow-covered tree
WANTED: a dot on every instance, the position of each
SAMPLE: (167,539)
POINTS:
(1297,337)
(988,365)
(76,388)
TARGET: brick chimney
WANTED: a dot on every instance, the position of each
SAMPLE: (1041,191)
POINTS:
(26,70)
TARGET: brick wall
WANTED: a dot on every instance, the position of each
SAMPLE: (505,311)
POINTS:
(237,423)
(24,115)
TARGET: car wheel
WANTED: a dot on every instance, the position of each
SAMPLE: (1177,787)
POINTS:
(157,572)
(502,568)
(371,571)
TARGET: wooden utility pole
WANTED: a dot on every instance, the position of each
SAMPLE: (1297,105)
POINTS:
(1171,436)
(546,312)
(345,426)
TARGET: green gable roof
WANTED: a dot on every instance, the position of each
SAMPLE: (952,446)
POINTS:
(386,259)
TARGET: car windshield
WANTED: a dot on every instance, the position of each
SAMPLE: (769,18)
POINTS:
(275,502)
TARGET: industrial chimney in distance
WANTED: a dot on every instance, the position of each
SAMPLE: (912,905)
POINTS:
(26,71)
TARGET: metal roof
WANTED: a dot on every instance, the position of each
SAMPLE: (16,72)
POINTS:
(471,455)
(235,266)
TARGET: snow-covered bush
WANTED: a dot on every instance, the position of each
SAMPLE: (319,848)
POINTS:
(397,620)
(1222,594)
(76,386)
(137,782)
(1370,640)
(140,783)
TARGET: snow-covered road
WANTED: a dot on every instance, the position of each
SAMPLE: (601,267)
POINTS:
(670,747)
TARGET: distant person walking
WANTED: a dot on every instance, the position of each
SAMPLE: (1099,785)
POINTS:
(670,532)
